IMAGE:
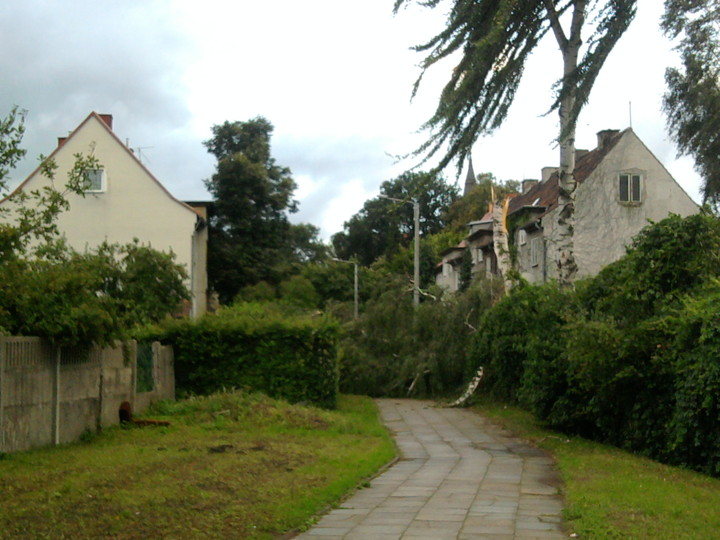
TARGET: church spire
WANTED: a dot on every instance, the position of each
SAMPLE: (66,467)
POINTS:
(470,181)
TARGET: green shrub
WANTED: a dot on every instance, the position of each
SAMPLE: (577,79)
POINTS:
(518,342)
(395,349)
(258,348)
(631,357)
(694,429)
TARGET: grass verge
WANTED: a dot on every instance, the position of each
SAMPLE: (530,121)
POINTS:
(610,493)
(232,465)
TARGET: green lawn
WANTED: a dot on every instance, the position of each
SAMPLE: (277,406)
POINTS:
(614,494)
(229,466)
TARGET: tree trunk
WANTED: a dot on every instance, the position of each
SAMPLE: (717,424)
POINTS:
(500,242)
(570,48)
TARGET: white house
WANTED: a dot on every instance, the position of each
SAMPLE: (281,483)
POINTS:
(621,185)
(125,201)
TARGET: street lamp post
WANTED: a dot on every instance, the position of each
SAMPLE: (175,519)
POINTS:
(416,259)
(355,264)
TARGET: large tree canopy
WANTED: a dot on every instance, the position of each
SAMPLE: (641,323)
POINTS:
(494,39)
(251,239)
(692,99)
(383,224)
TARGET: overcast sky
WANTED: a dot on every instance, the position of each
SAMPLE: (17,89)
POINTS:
(333,76)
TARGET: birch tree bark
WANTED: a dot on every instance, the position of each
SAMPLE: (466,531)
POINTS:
(500,243)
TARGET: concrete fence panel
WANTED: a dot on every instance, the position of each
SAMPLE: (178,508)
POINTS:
(51,396)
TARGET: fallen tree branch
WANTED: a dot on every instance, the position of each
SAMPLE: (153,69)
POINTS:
(470,390)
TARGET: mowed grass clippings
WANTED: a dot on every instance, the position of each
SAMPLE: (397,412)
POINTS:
(231,465)
(612,494)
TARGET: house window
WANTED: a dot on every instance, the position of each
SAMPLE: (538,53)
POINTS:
(535,251)
(95,180)
(629,187)
(522,237)
(477,255)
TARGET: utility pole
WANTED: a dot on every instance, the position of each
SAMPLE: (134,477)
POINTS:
(416,259)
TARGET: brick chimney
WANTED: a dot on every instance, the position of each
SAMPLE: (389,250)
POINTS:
(61,141)
(547,172)
(528,184)
(605,135)
(107,118)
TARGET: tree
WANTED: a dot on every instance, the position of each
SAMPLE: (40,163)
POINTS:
(494,39)
(692,99)
(94,297)
(32,216)
(383,224)
(57,293)
(252,197)
(476,203)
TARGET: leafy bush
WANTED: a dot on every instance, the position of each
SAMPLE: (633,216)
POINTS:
(631,357)
(395,349)
(518,342)
(257,347)
(94,297)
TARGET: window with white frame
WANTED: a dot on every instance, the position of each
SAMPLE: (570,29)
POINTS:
(629,187)
(95,180)
(522,237)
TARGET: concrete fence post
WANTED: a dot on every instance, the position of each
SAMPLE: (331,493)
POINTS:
(2,394)
(56,398)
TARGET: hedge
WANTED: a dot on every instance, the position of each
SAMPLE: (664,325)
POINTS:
(292,358)
(631,357)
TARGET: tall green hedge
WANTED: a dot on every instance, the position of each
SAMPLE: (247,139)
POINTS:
(288,357)
(631,357)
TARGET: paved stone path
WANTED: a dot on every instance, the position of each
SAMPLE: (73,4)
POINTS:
(458,477)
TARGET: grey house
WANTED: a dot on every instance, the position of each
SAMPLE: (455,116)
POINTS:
(621,185)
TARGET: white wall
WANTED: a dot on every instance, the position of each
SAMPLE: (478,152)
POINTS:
(603,224)
(133,205)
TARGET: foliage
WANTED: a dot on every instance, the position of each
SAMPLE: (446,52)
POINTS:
(300,292)
(516,339)
(29,218)
(494,40)
(475,205)
(395,349)
(94,297)
(258,347)
(250,237)
(383,225)
(259,292)
(692,99)
(629,358)
(665,261)
(48,290)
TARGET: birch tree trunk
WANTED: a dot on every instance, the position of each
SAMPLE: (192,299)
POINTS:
(570,48)
(500,242)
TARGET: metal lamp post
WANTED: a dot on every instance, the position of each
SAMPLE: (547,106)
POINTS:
(416,261)
(355,264)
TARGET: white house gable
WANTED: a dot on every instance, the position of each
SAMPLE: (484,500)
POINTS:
(124,202)
(628,187)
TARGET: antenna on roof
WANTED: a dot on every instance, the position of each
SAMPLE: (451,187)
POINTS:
(630,112)
(139,150)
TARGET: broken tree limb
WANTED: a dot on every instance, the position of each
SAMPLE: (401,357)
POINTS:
(470,390)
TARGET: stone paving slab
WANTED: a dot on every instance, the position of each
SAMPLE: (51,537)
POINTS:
(459,477)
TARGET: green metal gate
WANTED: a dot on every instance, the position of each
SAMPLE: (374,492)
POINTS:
(145,382)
